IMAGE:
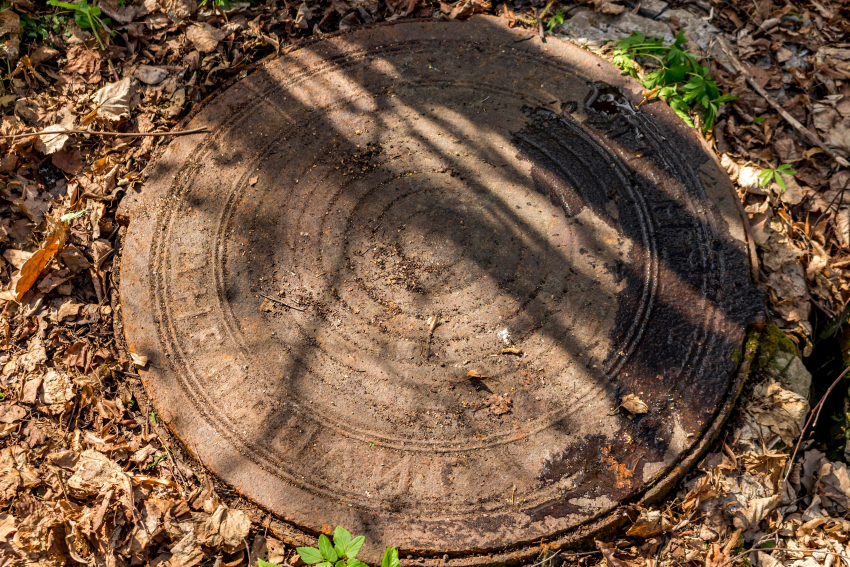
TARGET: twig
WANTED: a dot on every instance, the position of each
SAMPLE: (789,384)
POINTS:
(808,134)
(814,415)
(118,134)
(62,484)
(274,299)
(173,461)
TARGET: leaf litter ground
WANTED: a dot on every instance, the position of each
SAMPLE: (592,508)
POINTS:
(89,475)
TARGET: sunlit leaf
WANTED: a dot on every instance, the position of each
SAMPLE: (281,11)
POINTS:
(390,558)
(354,547)
(327,548)
(342,537)
(38,261)
(309,555)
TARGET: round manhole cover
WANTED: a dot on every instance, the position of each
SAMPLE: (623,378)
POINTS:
(409,277)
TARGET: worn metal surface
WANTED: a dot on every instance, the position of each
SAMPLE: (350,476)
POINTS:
(468,172)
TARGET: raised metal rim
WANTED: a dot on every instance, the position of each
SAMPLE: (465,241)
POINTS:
(574,537)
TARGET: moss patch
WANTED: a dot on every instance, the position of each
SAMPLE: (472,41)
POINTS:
(772,340)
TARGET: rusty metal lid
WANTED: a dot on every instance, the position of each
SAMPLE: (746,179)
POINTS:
(409,279)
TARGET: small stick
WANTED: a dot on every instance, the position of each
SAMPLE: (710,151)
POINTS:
(808,134)
(171,458)
(814,415)
(270,298)
(119,134)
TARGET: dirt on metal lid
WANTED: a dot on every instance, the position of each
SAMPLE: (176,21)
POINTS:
(440,283)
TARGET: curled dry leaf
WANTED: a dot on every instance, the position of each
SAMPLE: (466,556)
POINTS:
(226,528)
(139,360)
(36,264)
(58,392)
(611,556)
(95,474)
(475,374)
(780,411)
(754,512)
(633,404)
(650,523)
(833,485)
(303,16)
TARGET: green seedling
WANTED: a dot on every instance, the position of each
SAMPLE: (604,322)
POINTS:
(341,553)
(390,558)
(157,459)
(768,176)
(153,418)
(87,17)
(759,119)
(2,396)
(33,28)
(680,79)
(220,3)
(555,20)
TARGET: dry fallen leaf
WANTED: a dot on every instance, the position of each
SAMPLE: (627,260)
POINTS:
(151,75)
(778,410)
(755,511)
(611,559)
(10,413)
(34,266)
(9,22)
(10,26)
(70,161)
(10,481)
(303,15)
(206,38)
(17,257)
(58,392)
(113,100)
(139,360)
(475,374)
(225,528)
(633,404)
(650,523)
